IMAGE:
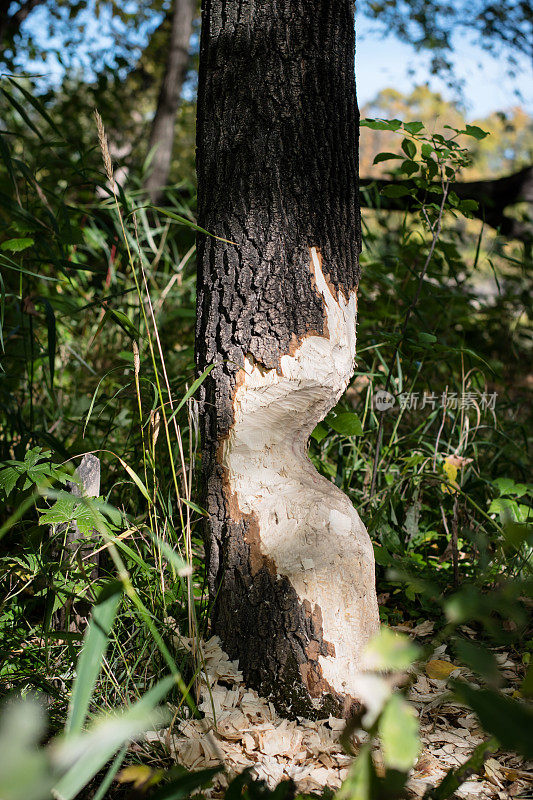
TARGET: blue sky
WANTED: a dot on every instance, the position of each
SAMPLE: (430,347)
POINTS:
(384,62)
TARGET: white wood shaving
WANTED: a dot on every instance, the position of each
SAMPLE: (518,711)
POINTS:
(240,729)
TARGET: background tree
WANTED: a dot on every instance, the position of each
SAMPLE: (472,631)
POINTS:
(161,137)
(290,565)
(98,37)
(505,28)
(507,149)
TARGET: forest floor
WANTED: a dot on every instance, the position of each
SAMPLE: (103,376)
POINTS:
(241,729)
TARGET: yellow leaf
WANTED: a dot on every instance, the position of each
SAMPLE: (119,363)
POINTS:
(510,774)
(452,465)
(141,775)
(439,669)
(450,469)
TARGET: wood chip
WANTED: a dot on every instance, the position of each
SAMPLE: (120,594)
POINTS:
(249,733)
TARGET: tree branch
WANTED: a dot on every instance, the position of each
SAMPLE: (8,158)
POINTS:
(493,197)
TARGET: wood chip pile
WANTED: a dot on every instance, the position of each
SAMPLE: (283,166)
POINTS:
(241,729)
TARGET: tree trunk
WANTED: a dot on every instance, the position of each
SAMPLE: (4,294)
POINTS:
(162,131)
(290,564)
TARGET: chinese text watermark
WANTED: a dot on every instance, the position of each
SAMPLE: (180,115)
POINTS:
(453,401)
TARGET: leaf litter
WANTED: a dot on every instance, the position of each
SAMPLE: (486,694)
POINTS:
(242,730)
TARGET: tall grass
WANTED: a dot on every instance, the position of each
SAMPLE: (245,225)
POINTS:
(115,397)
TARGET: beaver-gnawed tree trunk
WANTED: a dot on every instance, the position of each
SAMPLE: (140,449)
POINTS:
(291,568)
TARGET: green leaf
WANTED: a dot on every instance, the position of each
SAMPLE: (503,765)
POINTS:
(61,512)
(508,486)
(189,393)
(319,433)
(509,510)
(413,127)
(382,556)
(92,653)
(8,479)
(87,519)
(89,752)
(194,506)
(409,148)
(361,782)
(37,105)
(428,338)
(395,190)
(113,514)
(347,423)
(409,167)
(427,150)
(16,245)
(517,533)
(133,475)
(189,224)
(388,650)
(467,206)
(186,784)
(111,773)
(38,475)
(381,124)
(510,721)
(432,169)
(504,485)
(34,455)
(15,103)
(125,323)
(398,730)
(385,157)
(25,772)
(179,564)
(475,131)
(478,658)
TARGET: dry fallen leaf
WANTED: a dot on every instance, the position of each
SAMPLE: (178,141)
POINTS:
(424,628)
(493,771)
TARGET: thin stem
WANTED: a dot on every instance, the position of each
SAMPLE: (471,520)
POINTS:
(436,229)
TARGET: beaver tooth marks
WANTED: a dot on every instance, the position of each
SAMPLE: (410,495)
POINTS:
(305,528)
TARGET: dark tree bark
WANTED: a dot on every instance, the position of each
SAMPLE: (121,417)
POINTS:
(290,565)
(162,130)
